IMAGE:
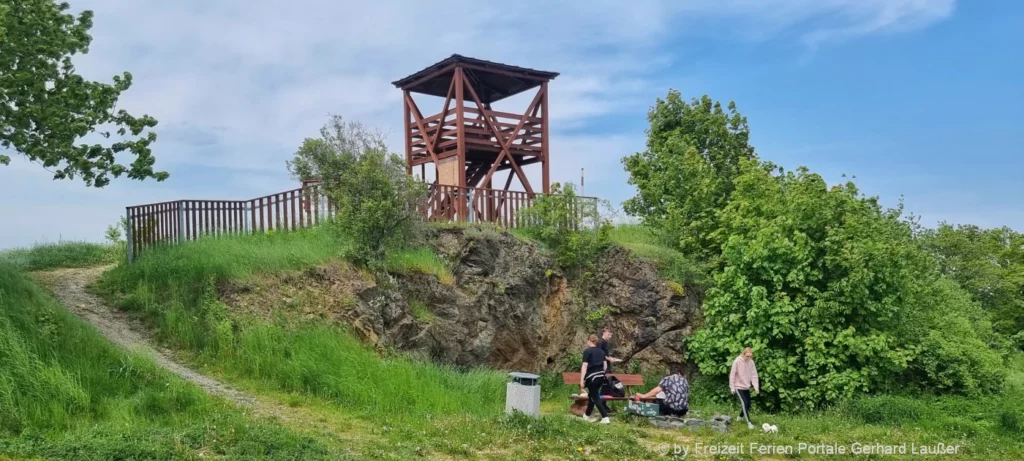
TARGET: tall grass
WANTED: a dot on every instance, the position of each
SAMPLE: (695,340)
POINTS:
(64,254)
(420,260)
(672,264)
(66,392)
(176,287)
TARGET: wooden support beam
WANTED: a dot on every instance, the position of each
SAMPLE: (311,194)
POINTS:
(544,142)
(444,113)
(460,115)
(505,144)
(408,133)
(419,123)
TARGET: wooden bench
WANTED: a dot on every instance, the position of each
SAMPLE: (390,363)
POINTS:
(579,404)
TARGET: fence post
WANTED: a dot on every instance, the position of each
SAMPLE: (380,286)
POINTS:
(181,221)
(128,234)
(248,217)
(469,206)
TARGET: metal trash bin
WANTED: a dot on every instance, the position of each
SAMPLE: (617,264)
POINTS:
(522,394)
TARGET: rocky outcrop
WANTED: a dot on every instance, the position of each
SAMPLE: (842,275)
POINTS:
(510,307)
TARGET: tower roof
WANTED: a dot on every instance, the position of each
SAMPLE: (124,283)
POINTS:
(492,81)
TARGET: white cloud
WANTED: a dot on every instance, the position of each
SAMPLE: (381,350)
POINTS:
(236,84)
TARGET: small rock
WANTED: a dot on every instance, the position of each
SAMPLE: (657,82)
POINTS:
(694,422)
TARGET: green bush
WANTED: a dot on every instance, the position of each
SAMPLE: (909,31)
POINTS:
(377,202)
(570,226)
(835,298)
(1012,422)
(953,338)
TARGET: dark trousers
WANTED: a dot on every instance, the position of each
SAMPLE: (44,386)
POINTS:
(594,396)
(744,395)
(664,410)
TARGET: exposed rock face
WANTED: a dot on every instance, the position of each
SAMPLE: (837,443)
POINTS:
(509,308)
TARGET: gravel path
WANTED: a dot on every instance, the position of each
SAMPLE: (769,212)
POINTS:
(70,287)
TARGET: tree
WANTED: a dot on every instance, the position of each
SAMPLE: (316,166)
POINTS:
(46,108)
(686,174)
(835,297)
(377,202)
(989,264)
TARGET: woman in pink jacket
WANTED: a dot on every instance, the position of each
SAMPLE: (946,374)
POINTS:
(742,377)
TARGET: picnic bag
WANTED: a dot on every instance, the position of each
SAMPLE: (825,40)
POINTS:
(613,387)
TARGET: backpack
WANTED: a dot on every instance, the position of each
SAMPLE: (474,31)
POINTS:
(613,387)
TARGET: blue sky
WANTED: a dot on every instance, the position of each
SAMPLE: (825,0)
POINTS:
(915,98)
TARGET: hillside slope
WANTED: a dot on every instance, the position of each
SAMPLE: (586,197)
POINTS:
(507,305)
(67,393)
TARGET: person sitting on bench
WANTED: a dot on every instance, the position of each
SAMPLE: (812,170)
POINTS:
(677,393)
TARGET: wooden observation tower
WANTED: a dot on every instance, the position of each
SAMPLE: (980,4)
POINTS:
(468,143)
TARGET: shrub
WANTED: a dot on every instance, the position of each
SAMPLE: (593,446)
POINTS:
(835,298)
(570,226)
(953,337)
(1012,422)
(377,202)
(595,317)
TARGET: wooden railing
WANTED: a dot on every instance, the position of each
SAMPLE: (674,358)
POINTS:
(502,207)
(478,134)
(183,220)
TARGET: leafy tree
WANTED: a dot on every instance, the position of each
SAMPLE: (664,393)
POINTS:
(116,233)
(377,202)
(572,227)
(989,264)
(685,176)
(834,296)
(45,107)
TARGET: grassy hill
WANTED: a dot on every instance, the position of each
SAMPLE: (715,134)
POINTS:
(65,392)
(73,391)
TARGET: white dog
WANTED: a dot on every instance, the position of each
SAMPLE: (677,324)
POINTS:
(770,428)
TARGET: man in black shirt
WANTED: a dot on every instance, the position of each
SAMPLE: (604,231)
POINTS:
(605,345)
(592,377)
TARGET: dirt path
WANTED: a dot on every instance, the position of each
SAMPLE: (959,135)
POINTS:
(70,287)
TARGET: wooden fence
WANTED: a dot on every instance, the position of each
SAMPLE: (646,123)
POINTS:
(183,220)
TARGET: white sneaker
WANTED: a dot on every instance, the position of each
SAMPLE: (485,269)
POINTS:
(606,421)
(750,426)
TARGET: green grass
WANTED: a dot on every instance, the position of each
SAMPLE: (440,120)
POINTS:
(175,288)
(64,254)
(420,310)
(418,409)
(420,260)
(672,264)
(65,392)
